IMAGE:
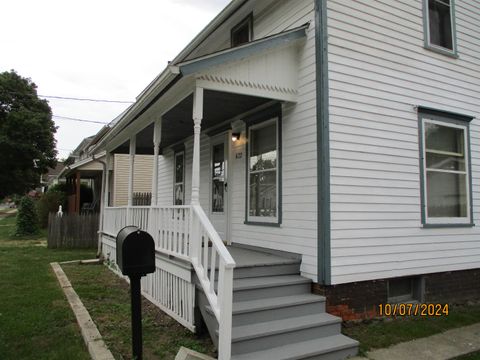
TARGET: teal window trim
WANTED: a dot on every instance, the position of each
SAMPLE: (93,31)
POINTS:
(426,31)
(448,119)
(273,112)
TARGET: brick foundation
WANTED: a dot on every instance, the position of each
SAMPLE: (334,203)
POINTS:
(360,300)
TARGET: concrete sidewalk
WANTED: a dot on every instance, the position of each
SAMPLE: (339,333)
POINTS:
(447,345)
(7,213)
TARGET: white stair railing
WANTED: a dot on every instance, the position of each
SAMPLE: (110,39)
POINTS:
(187,233)
(207,252)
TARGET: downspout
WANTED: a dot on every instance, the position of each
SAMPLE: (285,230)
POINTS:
(100,220)
(323,144)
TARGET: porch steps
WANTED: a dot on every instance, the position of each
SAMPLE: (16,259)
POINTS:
(328,348)
(275,315)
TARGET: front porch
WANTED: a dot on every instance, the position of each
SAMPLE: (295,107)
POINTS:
(210,183)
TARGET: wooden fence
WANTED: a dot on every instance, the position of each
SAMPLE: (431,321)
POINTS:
(142,199)
(72,231)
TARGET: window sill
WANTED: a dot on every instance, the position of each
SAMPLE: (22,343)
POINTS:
(258,223)
(453,54)
(434,226)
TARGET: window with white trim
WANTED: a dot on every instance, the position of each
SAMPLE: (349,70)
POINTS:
(242,33)
(179,179)
(446,172)
(263,180)
(440,24)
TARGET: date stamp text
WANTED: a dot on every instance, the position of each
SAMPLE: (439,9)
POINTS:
(424,310)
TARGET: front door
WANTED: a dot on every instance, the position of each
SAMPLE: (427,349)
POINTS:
(219,185)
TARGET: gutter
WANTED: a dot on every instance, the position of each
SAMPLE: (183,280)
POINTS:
(162,82)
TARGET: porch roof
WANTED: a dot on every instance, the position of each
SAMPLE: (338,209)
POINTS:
(235,81)
(266,67)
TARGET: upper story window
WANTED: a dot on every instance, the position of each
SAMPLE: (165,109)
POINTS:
(446,177)
(440,26)
(243,32)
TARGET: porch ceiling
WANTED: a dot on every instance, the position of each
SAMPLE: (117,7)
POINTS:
(218,107)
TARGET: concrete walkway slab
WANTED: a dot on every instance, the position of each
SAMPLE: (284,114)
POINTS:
(96,346)
(447,345)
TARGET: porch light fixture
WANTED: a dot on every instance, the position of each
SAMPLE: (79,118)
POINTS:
(235,136)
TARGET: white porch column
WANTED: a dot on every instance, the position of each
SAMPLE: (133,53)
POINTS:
(132,150)
(108,159)
(157,131)
(197,127)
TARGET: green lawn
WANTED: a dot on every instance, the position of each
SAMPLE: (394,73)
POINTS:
(36,321)
(473,356)
(376,334)
(108,301)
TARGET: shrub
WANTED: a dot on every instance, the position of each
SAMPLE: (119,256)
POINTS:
(49,202)
(27,222)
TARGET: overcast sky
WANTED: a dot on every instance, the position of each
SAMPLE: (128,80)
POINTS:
(96,49)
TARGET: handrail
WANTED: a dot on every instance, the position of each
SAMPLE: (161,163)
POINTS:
(214,237)
(204,261)
(186,232)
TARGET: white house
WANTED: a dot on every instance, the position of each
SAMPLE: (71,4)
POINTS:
(332,143)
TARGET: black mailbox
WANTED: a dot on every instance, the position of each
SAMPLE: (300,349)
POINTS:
(135,251)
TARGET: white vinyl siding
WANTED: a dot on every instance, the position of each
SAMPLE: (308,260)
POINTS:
(379,71)
(143,166)
(298,232)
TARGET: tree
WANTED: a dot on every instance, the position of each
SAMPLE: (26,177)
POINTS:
(27,221)
(27,143)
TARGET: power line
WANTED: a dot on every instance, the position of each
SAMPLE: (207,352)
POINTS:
(5,91)
(81,120)
(85,99)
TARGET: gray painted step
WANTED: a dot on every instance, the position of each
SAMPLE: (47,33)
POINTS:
(269,287)
(292,268)
(327,348)
(261,336)
(262,310)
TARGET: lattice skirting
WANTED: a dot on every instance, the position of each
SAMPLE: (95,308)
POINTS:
(170,287)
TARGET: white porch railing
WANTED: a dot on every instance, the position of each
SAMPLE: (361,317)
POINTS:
(138,216)
(114,219)
(187,233)
(170,228)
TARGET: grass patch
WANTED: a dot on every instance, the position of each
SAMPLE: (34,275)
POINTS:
(36,321)
(375,334)
(7,230)
(108,301)
(472,356)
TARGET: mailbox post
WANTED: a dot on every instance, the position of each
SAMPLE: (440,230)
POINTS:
(135,258)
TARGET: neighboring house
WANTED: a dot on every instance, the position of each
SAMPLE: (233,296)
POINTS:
(325,142)
(88,168)
(51,177)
